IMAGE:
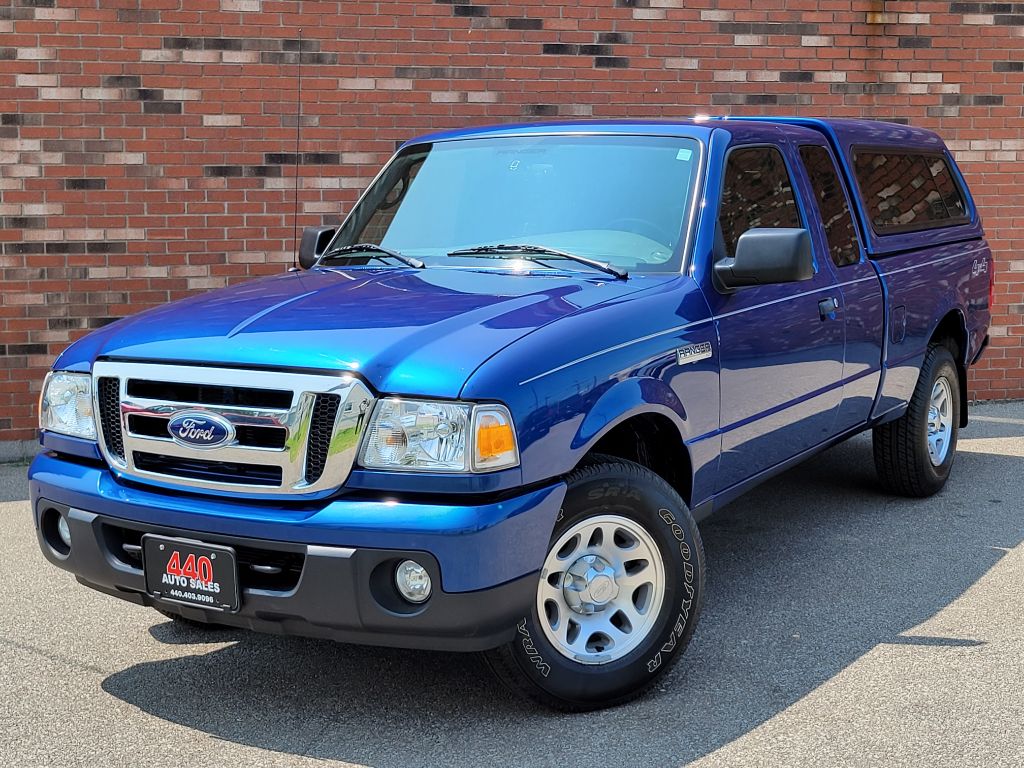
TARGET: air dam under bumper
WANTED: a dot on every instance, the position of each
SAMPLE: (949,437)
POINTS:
(339,593)
(329,589)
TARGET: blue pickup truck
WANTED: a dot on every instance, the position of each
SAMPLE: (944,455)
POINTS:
(489,411)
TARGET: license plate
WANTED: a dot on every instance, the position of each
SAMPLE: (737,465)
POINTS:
(190,572)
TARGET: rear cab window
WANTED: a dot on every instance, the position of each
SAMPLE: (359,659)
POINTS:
(907,191)
(836,218)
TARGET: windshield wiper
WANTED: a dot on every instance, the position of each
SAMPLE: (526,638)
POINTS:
(540,250)
(373,251)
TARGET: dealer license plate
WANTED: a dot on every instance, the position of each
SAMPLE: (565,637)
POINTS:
(190,572)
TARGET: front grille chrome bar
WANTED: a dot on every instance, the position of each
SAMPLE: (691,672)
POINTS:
(317,453)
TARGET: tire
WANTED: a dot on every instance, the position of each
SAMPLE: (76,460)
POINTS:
(906,464)
(654,610)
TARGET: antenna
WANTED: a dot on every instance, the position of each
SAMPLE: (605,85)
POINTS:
(298,136)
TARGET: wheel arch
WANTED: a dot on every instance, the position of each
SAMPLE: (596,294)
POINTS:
(640,420)
(951,332)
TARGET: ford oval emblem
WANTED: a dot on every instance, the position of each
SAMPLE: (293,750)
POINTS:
(198,429)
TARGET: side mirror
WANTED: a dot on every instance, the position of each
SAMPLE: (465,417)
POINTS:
(766,256)
(313,244)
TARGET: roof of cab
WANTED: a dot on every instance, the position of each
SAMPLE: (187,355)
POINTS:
(842,132)
(846,132)
(682,128)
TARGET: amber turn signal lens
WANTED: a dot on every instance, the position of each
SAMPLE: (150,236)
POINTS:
(494,439)
(494,444)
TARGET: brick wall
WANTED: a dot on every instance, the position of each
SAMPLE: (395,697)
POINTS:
(146,145)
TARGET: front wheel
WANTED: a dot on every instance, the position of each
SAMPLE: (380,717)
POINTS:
(914,454)
(618,597)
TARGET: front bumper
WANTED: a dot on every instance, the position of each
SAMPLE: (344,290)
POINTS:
(336,557)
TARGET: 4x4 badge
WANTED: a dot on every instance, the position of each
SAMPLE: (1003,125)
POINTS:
(691,353)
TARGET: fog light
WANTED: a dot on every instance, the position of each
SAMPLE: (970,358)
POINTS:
(64,531)
(413,581)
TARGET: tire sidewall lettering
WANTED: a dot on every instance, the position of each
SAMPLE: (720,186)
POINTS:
(531,650)
(614,491)
(686,605)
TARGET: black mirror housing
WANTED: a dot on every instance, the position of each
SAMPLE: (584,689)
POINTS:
(766,256)
(313,244)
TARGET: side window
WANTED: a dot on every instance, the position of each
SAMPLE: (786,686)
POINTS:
(756,192)
(835,213)
(949,192)
(905,192)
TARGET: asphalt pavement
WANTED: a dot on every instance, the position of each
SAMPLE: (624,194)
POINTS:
(842,627)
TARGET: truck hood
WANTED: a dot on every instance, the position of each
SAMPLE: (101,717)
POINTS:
(405,331)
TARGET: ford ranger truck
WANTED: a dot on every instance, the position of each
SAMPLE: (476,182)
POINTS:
(489,411)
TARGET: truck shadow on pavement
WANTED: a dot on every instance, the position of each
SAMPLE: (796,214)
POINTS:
(806,575)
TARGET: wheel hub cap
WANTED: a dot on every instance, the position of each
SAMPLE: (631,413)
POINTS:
(601,589)
(940,421)
(589,584)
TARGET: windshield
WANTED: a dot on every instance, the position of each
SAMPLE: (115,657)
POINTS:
(618,199)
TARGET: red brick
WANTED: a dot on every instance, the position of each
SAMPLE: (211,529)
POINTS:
(183,230)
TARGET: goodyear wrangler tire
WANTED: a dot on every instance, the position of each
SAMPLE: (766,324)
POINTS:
(914,454)
(618,597)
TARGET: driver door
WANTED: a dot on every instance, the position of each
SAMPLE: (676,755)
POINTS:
(781,352)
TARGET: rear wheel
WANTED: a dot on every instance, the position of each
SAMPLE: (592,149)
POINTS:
(914,454)
(618,597)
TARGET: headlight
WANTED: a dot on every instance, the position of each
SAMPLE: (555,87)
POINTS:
(434,436)
(65,405)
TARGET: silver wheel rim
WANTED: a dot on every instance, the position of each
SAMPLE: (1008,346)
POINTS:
(601,589)
(940,421)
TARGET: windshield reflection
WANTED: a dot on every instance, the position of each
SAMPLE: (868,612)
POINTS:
(617,199)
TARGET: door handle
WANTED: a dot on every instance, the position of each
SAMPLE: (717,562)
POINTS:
(827,308)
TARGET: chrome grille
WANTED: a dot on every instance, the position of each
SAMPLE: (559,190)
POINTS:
(245,434)
(207,469)
(293,433)
(209,394)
